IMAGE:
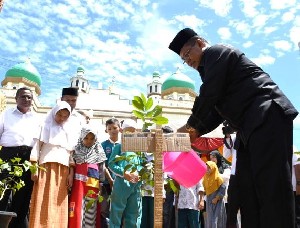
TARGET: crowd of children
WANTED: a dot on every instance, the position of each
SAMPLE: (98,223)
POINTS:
(92,168)
(77,175)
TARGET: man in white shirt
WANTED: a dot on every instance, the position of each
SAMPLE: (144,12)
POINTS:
(18,127)
(70,95)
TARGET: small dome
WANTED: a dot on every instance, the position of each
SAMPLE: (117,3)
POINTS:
(156,74)
(178,80)
(25,70)
(80,69)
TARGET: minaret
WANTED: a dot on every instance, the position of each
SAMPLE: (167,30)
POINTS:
(154,88)
(80,81)
(112,88)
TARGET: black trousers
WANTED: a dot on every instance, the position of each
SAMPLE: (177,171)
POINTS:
(233,203)
(21,199)
(297,209)
(263,174)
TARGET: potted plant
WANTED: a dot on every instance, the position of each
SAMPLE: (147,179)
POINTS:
(11,171)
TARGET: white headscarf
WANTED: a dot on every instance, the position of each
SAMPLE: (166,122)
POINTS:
(54,133)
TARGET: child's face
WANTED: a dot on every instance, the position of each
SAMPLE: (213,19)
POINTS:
(213,158)
(113,130)
(89,140)
(61,116)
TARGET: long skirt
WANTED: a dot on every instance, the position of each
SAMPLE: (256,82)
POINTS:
(86,180)
(49,201)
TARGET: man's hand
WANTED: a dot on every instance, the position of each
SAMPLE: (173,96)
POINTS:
(182,129)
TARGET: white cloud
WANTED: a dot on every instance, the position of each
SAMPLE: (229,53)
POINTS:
(190,21)
(282,4)
(268,30)
(224,33)
(248,44)
(263,60)
(221,8)
(241,27)
(294,36)
(249,7)
(282,45)
(287,17)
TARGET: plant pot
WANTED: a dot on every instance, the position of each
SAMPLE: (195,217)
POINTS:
(5,218)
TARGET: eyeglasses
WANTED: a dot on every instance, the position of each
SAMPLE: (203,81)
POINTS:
(187,54)
(23,97)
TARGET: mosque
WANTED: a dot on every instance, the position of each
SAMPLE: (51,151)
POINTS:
(175,95)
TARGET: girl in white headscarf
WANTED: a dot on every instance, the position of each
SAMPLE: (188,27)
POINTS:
(89,158)
(49,201)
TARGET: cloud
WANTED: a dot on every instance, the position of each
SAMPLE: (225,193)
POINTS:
(263,60)
(224,33)
(282,45)
(221,8)
(282,4)
(269,29)
(241,27)
(249,7)
(287,17)
(248,44)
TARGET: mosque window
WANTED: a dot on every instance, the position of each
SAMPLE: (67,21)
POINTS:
(155,88)
(180,98)
(77,83)
(82,84)
(150,89)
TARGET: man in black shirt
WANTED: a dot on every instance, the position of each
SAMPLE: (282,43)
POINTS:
(237,90)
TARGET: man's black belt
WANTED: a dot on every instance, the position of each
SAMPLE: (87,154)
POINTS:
(17,147)
(7,153)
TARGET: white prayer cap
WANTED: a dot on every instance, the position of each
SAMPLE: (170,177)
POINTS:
(128,123)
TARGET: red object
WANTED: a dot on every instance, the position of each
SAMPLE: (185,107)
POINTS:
(202,144)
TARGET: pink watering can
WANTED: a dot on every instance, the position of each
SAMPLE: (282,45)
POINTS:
(186,168)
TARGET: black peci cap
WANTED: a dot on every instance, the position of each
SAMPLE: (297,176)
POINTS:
(72,91)
(180,39)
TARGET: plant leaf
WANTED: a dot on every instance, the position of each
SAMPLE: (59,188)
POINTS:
(136,104)
(90,204)
(157,110)
(138,114)
(144,99)
(160,120)
(149,104)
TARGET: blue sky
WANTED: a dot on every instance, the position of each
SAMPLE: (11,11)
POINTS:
(128,40)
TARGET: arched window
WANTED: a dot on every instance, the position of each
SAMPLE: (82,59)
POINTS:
(155,88)
(180,99)
(82,84)
(150,89)
(77,82)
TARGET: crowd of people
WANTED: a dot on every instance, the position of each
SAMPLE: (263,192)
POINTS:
(262,184)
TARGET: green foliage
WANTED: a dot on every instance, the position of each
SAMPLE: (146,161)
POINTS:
(147,112)
(12,171)
(150,115)
(92,198)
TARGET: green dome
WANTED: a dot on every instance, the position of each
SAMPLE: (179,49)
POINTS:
(156,74)
(25,70)
(80,69)
(178,80)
